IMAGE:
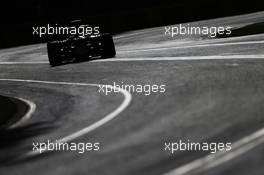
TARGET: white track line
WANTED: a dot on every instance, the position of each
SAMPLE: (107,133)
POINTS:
(107,118)
(27,116)
(25,62)
(212,57)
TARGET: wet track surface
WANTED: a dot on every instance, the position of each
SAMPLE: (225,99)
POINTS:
(206,100)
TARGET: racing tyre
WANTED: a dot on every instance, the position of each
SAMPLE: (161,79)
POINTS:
(108,47)
(54,57)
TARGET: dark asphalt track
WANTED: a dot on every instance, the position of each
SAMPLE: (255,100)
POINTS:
(11,111)
(206,99)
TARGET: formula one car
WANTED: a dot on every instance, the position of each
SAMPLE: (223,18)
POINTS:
(75,48)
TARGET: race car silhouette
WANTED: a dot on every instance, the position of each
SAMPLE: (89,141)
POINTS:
(76,48)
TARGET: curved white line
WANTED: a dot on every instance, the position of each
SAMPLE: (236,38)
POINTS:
(210,161)
(32,108)
(107,118)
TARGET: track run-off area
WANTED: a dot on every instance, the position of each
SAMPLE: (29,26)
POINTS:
(214,93)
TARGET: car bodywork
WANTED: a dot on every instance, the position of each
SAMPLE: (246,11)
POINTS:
(74,48)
